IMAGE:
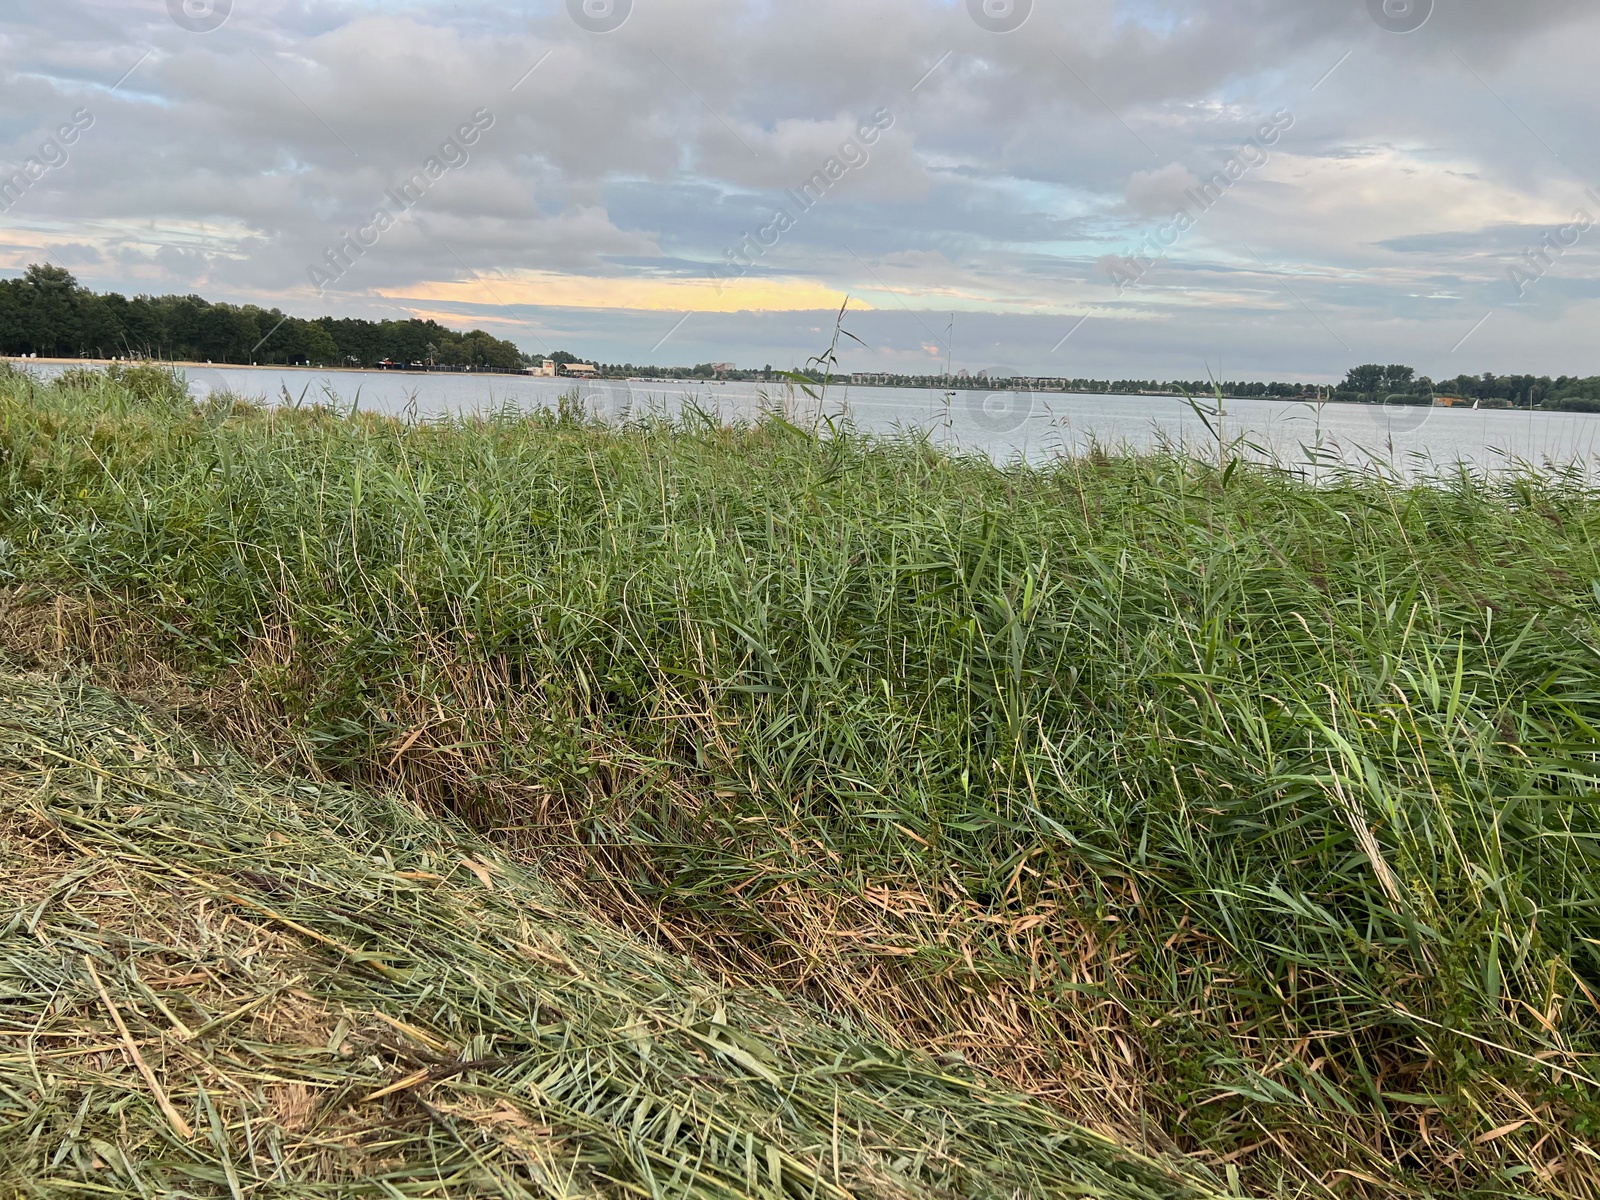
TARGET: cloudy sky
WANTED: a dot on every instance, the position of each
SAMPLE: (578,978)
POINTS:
(1378,169)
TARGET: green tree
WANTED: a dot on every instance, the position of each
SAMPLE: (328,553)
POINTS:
(51,311)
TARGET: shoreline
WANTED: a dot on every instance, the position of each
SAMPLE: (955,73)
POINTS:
(387,371)
(201,366)
(180,365)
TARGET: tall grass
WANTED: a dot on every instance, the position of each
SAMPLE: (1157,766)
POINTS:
(336,996)
(1233,814)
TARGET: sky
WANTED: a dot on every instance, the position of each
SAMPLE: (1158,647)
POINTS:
(1252,189)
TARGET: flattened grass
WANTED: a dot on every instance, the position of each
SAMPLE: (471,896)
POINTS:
(220,981)
(1227,812)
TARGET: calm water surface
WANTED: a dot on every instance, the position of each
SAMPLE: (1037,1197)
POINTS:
(1004,425)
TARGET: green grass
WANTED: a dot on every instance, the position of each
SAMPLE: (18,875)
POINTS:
(337,996)
(1231,814)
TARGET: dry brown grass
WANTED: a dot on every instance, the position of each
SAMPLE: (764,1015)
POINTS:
(196,966)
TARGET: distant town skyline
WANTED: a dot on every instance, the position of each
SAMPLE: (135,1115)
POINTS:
(1077,188)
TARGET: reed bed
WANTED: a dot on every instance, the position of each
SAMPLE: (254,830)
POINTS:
(1230,814)
(219,981)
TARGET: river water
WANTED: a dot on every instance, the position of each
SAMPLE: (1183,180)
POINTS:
(1004,425)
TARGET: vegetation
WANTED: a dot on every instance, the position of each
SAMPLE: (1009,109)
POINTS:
(284,959)
(1229,814)
(1376,384)
(48,313)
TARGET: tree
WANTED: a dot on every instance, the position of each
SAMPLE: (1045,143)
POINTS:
(51,311)
(1374,382)
(46,312)
(227,334)
(11,338)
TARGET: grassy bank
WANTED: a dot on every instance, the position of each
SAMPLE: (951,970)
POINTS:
(330,994)
(1229,814)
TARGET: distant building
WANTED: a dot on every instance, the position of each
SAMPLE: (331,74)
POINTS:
(549,368)
(724,368)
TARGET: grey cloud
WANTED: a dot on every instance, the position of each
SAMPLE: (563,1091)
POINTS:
(1160,192)
(229,160)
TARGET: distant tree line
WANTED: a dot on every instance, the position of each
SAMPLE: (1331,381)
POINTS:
(1242,388)
(48,313)
(967,382)
(1373,383)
